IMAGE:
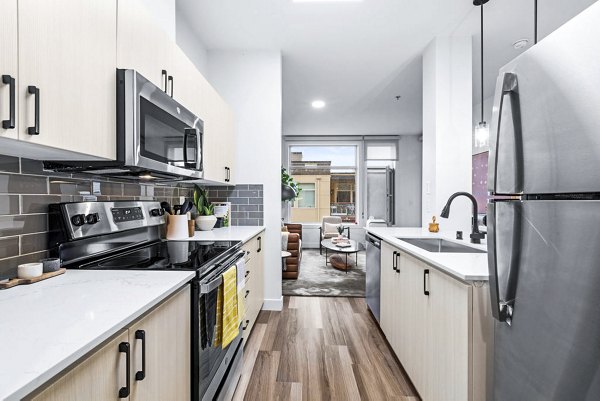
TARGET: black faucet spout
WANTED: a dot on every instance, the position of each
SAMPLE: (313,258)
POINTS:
(476,236)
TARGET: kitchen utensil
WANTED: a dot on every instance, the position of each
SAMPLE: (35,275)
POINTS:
(186,207)
(50,264)
(166,207)
(177,227)
(30,270)
(17,281)
(177,209)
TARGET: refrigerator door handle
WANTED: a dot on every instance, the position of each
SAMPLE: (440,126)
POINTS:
(500,308)
(510,87)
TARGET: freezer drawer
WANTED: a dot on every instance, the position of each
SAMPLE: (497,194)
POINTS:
(545,128)
(544,264)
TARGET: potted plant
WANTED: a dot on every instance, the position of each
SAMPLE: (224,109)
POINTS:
(206,220)
(289,188)
(340,230)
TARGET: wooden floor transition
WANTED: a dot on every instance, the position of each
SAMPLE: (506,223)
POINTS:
(320,349)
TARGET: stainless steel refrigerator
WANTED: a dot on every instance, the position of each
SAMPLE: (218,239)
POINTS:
(544,240)
(380,194)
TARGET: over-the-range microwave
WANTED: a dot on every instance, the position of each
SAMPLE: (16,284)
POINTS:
(157,138)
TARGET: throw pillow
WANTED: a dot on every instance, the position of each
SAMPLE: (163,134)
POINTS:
(331,228)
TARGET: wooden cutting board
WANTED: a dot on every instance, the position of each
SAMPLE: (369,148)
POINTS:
(18,281)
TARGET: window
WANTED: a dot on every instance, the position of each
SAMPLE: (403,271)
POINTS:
(307,195)
(327,175)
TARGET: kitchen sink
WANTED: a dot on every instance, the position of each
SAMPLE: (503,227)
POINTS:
(440,245)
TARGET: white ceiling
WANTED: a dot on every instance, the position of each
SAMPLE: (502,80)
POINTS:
(358,56)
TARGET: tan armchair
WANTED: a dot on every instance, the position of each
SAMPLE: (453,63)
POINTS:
(324,233)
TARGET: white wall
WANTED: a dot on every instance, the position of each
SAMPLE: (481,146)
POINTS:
(447,130)
(250,81)
(408,181)
(191,45)
(164,13)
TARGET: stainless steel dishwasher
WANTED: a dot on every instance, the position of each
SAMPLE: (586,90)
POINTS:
(373,278)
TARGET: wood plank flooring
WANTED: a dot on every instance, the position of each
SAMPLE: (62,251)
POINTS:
(320,349)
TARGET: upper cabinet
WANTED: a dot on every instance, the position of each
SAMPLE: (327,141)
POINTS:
(142,45)
(58,80)
(66,79)
(8,69)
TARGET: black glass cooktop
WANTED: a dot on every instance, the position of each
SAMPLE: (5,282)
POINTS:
(166,255)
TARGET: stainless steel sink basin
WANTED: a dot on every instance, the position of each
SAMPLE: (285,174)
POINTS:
(440,245)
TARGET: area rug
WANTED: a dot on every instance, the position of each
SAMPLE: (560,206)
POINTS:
(319,280)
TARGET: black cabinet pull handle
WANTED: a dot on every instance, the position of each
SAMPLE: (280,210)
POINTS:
(259,244)
(171,81)
(35,91)
(124,391)
(164,75)
(247,273)
(141,374)
(397,262)
(247,293)
(247,324)
(227,174)
(425,279)
(394,261)
(10,123)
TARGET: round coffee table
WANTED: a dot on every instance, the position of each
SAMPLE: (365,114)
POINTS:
(337,261)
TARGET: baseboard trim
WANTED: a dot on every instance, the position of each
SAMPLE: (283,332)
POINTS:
(273,304)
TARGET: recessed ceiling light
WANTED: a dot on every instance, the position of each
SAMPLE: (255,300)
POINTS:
(318,104)
(521,43)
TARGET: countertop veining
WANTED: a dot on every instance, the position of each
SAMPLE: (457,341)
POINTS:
(46,326)
(464,266)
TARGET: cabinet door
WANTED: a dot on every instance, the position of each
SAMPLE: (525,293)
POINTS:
(387,302)
(411,325)
(166,333)
(449,335)
(186,82)
(214,164)
(98,378)
(8,65)
(67,50)
(142,45)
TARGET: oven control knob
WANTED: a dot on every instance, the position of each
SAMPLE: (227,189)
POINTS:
(156,212)
(92,218)
(78,220)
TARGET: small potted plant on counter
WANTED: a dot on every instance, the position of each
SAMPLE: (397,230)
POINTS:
(206,220)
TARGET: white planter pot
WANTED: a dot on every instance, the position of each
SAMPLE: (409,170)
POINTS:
(206,223)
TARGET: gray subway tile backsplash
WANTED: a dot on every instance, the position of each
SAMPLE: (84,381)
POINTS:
(26,190)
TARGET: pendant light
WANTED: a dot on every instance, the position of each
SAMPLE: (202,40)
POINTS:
(482,130)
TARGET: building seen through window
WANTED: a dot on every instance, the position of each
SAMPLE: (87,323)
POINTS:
(327,176)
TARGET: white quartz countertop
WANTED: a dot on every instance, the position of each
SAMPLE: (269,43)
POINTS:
(46,326)
(234,233)
(464,266)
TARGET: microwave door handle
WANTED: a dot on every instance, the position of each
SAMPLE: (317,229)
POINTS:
(200,139)
(187,133)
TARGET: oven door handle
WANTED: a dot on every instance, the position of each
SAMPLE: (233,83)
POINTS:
(206,288)
(211,285)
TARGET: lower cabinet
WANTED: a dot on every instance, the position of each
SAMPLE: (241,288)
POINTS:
(439,327)
(254,291)
(148,361)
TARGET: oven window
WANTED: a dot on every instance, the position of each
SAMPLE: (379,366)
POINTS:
(162,136)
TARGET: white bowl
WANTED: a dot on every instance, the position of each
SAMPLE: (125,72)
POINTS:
(30,270)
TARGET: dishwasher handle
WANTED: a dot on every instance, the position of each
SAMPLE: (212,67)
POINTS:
(373,240)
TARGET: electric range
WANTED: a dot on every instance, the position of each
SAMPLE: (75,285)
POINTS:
(128,235)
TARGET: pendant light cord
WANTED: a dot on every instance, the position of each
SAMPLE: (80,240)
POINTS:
(482,62)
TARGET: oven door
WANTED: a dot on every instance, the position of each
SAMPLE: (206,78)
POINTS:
(156,132)
(215,370)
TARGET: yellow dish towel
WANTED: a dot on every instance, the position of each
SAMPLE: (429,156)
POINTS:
(231,321)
